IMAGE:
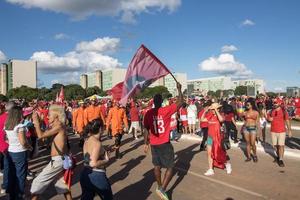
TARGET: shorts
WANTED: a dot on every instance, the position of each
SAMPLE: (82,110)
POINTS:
(163,155)
(278,138)
(191,120)
(250,130)
(53,172)
(135,125)
(209,141)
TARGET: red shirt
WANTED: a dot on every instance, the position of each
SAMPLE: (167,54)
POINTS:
(134,114)
(297,102)
(202,124)
(158,121)
(213,124)
(228,117)
(278,123)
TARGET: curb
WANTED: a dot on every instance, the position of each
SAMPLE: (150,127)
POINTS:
(288,152)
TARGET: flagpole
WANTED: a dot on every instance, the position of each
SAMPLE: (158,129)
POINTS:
(174,77)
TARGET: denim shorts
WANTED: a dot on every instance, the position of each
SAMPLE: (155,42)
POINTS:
(250,130)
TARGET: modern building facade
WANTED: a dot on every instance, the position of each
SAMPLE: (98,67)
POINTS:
(17,73)
(170,83)
(104,79)
(292,91)
(84,81)
(203,85)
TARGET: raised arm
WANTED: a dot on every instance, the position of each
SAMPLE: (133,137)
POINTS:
(180,99)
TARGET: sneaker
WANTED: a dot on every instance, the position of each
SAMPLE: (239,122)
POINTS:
(30,175)
(209,172)
(1,174)
(228,168)
(281,163)
(3,191)
(161,193)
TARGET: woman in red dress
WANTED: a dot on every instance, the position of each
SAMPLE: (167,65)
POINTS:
(216,155)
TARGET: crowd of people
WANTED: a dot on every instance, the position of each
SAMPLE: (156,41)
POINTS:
(25,126)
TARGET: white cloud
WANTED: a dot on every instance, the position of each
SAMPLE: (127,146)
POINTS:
(61,36)
(86,56)
(105,44)
(67,78)
(2,56)
(49,62)
(225,64)
(248,22)
(229,48)
(80,9)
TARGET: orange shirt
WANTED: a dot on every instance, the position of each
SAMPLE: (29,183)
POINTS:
(91,113)
(78,119)
(116,117)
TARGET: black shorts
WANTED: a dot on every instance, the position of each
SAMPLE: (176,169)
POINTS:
(163,155)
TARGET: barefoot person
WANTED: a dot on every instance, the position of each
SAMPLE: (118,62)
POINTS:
(53,172)
(157,124)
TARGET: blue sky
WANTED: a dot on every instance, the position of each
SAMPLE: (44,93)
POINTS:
(260,39)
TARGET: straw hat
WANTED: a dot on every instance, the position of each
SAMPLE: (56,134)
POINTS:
(215,106)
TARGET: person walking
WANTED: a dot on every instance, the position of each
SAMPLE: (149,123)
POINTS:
(17,153)
(53,172)
(93,178)
(157,122)
(279,120)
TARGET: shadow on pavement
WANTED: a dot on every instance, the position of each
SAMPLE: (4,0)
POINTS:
(183,160)
(123,173)
(293,143)
(138,190)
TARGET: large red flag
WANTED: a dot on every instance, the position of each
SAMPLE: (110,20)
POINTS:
(144,69)
(116,91)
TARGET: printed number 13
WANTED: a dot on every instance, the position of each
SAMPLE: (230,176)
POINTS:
(160,127)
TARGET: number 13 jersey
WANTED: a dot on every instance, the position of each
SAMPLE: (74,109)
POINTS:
(158,121)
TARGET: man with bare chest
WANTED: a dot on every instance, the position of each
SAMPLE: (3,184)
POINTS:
(53,172)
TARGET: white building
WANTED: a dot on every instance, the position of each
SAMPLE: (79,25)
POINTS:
(17,73)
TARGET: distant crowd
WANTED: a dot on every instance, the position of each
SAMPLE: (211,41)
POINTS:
(26,126)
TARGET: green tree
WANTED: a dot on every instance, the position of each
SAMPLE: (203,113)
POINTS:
(151,91)
(240,90)
(23,92)
(211,93)
(74,91)
(3,98)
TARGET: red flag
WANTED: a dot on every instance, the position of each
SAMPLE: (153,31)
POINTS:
(61,96)
(144,69)
(116,91)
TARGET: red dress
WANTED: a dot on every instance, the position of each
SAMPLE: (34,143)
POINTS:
(217,153)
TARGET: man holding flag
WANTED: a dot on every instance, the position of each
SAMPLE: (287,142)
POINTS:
(144,69)
(157,124)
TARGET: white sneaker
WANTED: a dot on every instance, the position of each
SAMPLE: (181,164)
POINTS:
(209,172)
(228,168)
(1,174)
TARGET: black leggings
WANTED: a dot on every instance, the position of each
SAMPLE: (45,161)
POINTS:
(231,130)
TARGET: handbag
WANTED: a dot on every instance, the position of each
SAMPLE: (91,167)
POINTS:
(69,161)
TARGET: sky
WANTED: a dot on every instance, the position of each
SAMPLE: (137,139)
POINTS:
(204,38)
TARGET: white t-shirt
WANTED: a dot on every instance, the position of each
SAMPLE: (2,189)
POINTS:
(192,111)
(13,139)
